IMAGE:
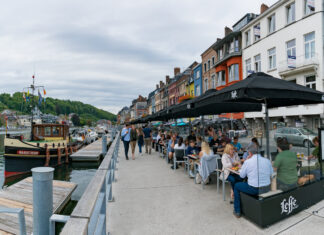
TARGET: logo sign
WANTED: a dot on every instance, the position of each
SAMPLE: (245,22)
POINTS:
(287,206)
(27,152)
(234,94)
(291,61)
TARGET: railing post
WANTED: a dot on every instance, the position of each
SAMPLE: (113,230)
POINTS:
(104,145)
(42,199)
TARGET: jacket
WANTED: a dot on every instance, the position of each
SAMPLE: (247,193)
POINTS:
(133,135)
(227,163)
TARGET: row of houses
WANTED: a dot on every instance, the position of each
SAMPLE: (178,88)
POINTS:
(285,40)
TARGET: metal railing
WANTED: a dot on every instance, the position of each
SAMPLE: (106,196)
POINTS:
(300,62)
(21,217)
(89,215)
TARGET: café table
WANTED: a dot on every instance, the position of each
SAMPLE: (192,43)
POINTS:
(233,171)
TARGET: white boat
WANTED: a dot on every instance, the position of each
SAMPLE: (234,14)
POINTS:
(91,136)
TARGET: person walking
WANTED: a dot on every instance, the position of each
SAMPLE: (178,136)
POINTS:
(125,136)
(133,140)
(147,139)
(140,140)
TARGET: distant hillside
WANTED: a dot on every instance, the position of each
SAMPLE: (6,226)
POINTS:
(55,106)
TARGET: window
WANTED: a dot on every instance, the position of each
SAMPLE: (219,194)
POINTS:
(206,84)
(291,53)
(220,54)
(231,47)
(197,90)
(309,6)
(257,63)
(221,80)
(198,74)
(257,33)
(208,64)
(272,58)
(293,81)
(247,38)
(213,81)
(248,68)
(236,45)
(272,23)
(309,45)
(290,9)
(205,67)
(213,60)
(233,73)
(48,131)
(310,81)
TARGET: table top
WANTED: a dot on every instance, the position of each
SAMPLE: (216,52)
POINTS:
(233,171)
(195,157)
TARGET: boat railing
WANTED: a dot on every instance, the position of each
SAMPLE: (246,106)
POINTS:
(89,215)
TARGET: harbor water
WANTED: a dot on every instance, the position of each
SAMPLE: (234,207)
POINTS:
(79,173)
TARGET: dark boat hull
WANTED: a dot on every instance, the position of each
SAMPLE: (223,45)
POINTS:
(16,163)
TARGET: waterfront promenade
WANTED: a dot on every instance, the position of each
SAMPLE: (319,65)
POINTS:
(151,198)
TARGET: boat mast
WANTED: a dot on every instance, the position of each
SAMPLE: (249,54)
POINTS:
(33,88)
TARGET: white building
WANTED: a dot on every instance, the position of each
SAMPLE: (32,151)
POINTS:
(286,41)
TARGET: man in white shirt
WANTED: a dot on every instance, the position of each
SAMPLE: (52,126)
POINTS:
(258,170)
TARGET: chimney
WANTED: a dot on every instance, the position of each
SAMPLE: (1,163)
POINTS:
(157,86)
(263,8)
(161,84)
(176,71)
(227,31)
(167,79)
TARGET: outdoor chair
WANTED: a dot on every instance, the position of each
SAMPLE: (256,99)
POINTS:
(220,175)
(178,157)
(196,167)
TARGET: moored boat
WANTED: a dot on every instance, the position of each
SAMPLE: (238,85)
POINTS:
(49,146)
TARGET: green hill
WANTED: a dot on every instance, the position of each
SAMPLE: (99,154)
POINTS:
(86,112)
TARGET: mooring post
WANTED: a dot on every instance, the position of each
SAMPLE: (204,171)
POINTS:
(104,145)
(42,199)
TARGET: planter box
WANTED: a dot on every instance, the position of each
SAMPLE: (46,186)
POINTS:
(267,211)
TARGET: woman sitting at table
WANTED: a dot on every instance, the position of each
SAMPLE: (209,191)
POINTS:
(230,159)
(286,166)
(180,144)
(207,163)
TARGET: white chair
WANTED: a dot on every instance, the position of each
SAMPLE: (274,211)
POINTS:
(220,175)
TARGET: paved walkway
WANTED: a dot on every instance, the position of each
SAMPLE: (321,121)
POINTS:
(150,198)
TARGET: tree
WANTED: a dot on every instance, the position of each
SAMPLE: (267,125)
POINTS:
(89,123)
(57,109)
(75,120)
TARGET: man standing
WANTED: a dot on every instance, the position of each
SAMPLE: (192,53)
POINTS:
(258,170)
(125,135)
(148,139)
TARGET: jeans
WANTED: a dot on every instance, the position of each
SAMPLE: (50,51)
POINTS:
(140,147)
(233,179)
(126,147)
(285,187)
(245,188)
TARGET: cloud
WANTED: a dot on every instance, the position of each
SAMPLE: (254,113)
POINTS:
(106,53)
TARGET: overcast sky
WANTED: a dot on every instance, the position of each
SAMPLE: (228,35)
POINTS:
(105,52)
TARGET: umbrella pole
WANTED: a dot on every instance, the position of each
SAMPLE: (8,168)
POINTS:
(267,131)
(190,128)
(203,127)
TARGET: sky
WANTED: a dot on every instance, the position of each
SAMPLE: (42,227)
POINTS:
(107,52)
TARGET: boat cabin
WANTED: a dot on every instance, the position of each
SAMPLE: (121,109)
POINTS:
(50,132)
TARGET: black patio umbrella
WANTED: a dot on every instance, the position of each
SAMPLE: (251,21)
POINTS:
(273,92)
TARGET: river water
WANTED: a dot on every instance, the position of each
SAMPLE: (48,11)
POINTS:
(79,173)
